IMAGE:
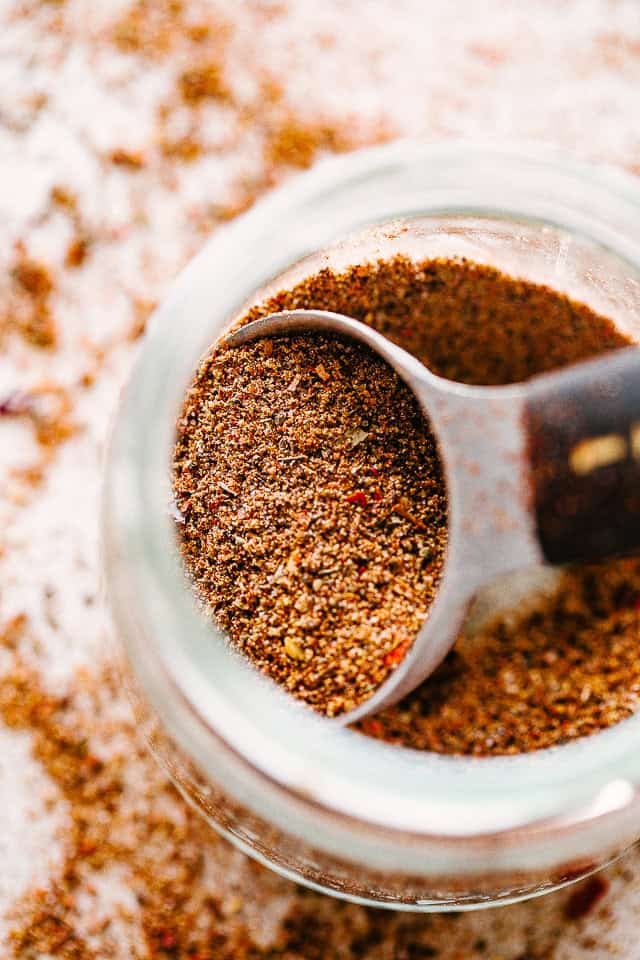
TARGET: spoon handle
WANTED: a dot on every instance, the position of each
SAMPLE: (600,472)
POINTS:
(583,427)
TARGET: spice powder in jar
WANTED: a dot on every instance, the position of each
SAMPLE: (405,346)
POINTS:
(314,512)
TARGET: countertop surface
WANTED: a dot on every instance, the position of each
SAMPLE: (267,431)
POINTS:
(128,132)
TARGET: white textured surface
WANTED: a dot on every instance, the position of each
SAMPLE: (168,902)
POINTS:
(563,72)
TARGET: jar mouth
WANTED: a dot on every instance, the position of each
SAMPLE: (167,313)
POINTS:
(331,766)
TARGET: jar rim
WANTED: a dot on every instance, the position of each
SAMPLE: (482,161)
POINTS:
(337,769)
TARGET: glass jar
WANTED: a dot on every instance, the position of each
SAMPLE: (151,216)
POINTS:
(321,804)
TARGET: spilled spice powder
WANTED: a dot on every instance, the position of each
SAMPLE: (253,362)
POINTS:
(296,144)
(130,159)
(77,252)
(203,82)
(47,407)
(315,515)
(149,28)
(27,307)
(562,670)
(123,818)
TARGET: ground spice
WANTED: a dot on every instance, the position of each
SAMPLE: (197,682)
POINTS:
(130,159)
(314,512)
(149,28)
(47,407)
(203,82)
(195,897)
(295,143)
(27,305)
(77,252)
(113,826)
(566,669)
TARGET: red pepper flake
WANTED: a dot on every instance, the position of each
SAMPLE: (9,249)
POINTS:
(372,727)
(396,655)
(361,569)
(359,498)
(583,900)
(377,494)
(168,939)
(374,471)
(214,504)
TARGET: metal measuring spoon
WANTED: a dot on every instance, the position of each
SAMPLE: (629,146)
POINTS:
(543,471)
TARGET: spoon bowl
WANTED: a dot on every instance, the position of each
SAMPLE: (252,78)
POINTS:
(481,445)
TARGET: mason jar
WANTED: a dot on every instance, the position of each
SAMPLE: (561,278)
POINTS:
(319,803)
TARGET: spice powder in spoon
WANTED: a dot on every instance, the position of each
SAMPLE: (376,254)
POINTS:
(315,512)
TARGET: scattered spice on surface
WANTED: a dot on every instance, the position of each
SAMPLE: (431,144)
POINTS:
(64,198)
(32,277)
(203,82)
(77,252)
(129,159)
(49,410)
(186,149)
(195,896)
(295,143)
(48,407)
(149,28)
(291,534)
(117,823)
(564,670)
(12,631)
(27,308)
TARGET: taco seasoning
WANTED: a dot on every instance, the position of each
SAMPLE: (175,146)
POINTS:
(314,512)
